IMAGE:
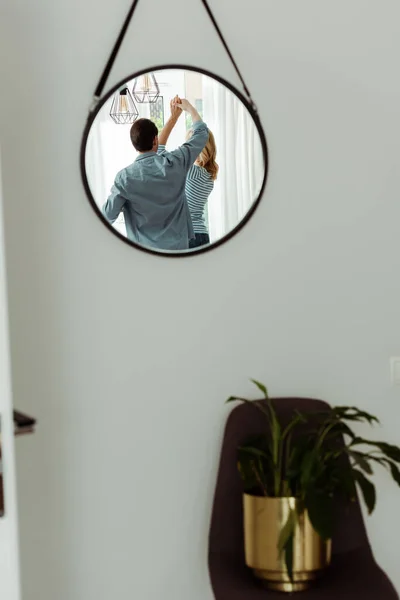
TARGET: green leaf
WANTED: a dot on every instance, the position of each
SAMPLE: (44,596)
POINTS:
(251,463)
(340,429)
(352,413)
(285,541)
(389,450)
(346,483)
(361,461)
(276,435)
(320,511)
(296,419)
(309,469)
(289,557)
(256,452)
(232,399)
(367,488)
(261,387)
(247,474)
(255,403)
(394,469)
(286,531)
(263,443)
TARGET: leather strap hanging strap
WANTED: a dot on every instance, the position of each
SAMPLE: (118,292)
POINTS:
(114,52)
(117,45)
(229,53)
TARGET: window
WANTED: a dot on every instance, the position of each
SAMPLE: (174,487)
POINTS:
(157,112)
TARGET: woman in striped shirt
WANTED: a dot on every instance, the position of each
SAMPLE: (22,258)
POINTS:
(200,178)
(199,185)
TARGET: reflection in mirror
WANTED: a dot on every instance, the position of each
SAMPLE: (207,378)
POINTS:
(174,161)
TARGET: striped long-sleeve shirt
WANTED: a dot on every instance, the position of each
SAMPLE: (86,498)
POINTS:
(199,186)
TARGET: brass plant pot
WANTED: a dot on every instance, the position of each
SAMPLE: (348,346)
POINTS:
(263,522)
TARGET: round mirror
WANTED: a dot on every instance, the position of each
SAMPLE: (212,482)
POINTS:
(174,161)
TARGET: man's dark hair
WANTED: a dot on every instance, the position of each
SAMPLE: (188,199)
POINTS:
(143,132)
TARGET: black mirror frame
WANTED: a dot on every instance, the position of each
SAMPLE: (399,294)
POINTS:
(190,252)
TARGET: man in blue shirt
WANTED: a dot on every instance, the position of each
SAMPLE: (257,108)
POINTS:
(151,191)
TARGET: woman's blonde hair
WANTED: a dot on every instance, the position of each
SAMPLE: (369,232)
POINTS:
(207,156)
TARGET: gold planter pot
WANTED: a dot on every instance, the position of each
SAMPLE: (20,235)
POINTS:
(263,522)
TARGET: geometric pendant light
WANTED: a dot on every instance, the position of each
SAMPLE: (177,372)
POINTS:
(123,109)
(145,88)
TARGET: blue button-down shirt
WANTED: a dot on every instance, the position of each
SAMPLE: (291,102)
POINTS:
(151,194)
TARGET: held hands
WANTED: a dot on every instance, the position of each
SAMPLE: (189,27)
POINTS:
(178,105)
(186,106)
(175,106)
(182,103)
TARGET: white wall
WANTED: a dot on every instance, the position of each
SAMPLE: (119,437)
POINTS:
(125,358)
(9,557)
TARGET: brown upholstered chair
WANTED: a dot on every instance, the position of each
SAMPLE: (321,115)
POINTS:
(353,573)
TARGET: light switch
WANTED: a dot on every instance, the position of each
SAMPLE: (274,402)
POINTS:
(395,370)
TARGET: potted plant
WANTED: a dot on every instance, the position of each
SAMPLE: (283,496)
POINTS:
(291,476)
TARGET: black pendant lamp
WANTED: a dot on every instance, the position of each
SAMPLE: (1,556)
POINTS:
(123,109)
(145,89)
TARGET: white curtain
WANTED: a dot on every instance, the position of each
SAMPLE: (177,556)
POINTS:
(239,155)
(109,150)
